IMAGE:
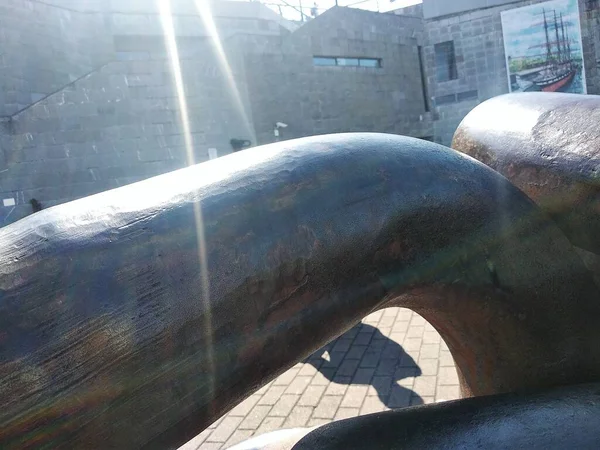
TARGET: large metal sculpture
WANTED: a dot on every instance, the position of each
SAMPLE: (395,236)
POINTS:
(136,317)
(549,147)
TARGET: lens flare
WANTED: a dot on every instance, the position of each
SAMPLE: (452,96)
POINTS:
(173,54)
(206,14)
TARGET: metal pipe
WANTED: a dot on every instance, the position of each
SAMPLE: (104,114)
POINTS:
(568,417)
(136,317)
(548,145)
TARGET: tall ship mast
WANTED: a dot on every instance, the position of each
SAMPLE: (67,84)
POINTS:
(559,68)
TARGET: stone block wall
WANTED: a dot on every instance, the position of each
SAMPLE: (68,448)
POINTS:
(90,101)
(480,60)
(122,121)
(45,48)
(285,85)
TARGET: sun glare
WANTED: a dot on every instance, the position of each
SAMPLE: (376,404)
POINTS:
(173,54)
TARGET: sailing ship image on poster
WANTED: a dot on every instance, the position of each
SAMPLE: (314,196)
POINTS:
(543,47)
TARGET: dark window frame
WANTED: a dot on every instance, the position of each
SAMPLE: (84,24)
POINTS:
(423,79)
(445,61)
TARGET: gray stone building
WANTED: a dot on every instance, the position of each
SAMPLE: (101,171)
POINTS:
(93,95)
(346,70)
(471,30)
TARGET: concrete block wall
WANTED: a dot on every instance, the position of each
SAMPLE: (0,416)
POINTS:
(285,86)
(480,60)
(122,121)
(590,36)
(87,99)
(116,126)
(43,49)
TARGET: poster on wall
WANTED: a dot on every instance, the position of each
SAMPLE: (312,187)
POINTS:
(542,43)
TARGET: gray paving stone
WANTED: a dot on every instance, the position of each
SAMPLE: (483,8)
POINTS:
(317,421)
(327,407)
(356,352)
(245,407)
(399,397)
(323,377)
(270,424)
(425,386)
(444,393)
(446,359)
(298,417)
(354,396)
(363,376)
(400,327)
(370,359)
(298,385)
(346,413)
(347,368)
(428,366)
(272,395)
(211,446)
(255,417)
(386,366)
(447,376)
(411,365)
(415,332)
(312,395)
(372,404)
(225,429)
(237,437)
(342,345)
(338,386)
(429,351)
(398,338)
(284,405)
(412,344)
(363,338)
(286,378)
(380,386)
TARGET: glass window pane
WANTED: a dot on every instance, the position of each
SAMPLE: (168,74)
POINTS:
(445,61)
(323,61)
(347,61)
(370,62)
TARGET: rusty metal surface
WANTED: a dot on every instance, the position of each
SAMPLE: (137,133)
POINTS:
(556,419)
(136,317)
(548,145)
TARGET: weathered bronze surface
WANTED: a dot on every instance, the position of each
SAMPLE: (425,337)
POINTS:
(136,317)
(548,145)
(565,418)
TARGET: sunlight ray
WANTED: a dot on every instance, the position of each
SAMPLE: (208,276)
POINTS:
(206,14)
(173,54)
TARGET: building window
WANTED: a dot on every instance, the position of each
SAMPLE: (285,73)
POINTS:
(369,62)
(322,61)
(445,61)
(346,62)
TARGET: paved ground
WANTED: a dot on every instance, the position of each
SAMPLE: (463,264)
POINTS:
(392,359)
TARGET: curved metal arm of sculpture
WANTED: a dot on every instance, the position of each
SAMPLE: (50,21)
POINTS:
(138,316)
(548,145)
(567,417)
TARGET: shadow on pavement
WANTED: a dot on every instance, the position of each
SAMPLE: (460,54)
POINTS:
(363,355)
